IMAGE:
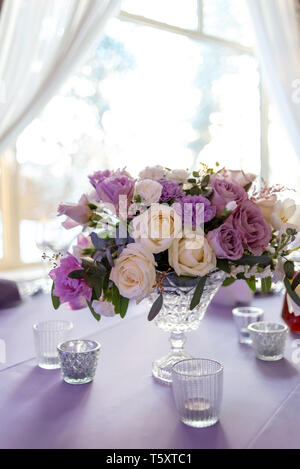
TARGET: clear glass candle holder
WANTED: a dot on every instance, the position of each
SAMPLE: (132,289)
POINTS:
(197,388)
(78,359)
(243,316)
(47,335)
(268,340)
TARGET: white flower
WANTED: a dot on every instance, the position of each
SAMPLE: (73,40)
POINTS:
(266,205)
(157,227)
(153,172)
(149,191)
(104,308)
(192,254)
(179,175)
(285,214)
(134,272)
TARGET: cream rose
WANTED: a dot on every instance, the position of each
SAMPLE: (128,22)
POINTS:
(266,205)
(192,254)
(156,228)
(285,213)
(134,272)
(179,175)
(149,191)
(153,172)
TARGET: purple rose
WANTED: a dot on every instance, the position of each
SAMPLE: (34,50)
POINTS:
(99,176)
(77,214)
(70,290)
(225,191)
(254,231)
(110,189)
(226,242)
(171,190)
(190,207)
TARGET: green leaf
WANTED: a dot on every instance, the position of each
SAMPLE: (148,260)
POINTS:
(198,293)
(266,284)
(55,299)
(205,181)
(156,307)
(228,281)
(296,281)
(76,274)
(124,302)
(96,315)
(98,288)
(289,269)
(251,282)
(223,264)
(247,186)
(291,292)
(262,261)
(116,299)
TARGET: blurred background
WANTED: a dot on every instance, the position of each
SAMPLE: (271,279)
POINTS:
(171,82)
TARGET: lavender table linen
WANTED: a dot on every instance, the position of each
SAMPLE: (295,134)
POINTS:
(124,408)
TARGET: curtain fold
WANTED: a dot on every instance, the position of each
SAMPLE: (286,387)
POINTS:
(277,28)
(41,42)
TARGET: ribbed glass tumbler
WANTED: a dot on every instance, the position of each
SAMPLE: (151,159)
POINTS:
(47,335)
(198,390)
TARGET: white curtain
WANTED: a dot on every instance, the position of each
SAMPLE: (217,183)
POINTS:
(41,41)
(277,28)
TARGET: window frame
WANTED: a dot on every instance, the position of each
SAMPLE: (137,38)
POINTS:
(9,167)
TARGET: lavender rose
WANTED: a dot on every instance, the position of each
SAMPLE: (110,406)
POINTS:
(77,214)
(224,192)
(110,189)
(255,233)
(226,242)
(170,190)
(73,291)
(190,208)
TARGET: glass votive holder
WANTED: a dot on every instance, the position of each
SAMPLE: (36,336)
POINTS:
(243,316)
(78,359)
(47,335)
(268,340)
(197,388)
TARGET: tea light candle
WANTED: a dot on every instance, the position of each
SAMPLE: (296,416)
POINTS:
(78,359)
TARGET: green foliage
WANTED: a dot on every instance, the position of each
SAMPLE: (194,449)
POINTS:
(198,293)
(156,307)
(55,299)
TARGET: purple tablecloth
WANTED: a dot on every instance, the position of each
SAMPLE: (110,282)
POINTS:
(124,407)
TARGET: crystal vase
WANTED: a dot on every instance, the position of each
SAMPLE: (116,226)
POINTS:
(177,318)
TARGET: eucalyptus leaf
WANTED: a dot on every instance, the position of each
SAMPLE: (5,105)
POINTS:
(289,269)
(266,284)
(262,261)
(228,281)
(291,292)
(96,315)
(55,299)
(223,264)
(198,293)
(156,307)
(116,299)
(251,282)
(124,302)
(296,281)
(76,274)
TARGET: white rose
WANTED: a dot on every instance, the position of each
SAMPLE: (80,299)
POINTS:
(179,175)
(134,272)
(157,227)
(104,308)
(192,254)
(266,205)
(285,213)
(153,172)
(149,191)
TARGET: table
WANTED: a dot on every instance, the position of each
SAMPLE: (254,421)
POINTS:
(124,407)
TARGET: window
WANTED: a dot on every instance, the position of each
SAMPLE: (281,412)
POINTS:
(172,82)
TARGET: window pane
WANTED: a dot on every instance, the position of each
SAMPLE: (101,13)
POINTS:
(228,19)
(284,165)
(182,13)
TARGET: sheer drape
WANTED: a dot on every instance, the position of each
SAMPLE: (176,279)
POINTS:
(41,41)
(277,27)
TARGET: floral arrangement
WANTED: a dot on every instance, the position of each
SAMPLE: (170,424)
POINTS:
(134,231)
